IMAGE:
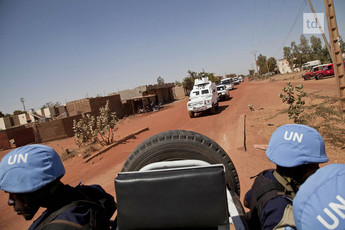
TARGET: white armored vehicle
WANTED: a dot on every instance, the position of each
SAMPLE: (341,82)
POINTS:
(203,97)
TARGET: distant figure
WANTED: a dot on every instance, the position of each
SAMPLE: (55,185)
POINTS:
(297,151)
(320,202)
(31,175)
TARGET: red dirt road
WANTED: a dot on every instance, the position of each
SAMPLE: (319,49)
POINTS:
(221,127)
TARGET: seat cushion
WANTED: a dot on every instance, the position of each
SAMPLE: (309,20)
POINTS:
(192,197)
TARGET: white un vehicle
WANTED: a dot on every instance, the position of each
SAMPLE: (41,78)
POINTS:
(203,97)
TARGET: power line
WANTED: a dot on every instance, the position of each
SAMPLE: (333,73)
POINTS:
(293,25)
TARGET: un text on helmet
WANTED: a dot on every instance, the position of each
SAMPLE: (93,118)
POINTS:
(17,158)
(293,136)
(336,207)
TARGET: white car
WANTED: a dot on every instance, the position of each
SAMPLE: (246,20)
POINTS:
(223,93)
(228,83)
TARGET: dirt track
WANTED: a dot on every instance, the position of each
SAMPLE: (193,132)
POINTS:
(221,127)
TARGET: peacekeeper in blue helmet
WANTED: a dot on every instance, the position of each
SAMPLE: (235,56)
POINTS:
(320,201)
(31,175)
(297,151)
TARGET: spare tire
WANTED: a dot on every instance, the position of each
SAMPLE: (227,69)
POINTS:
(182,145)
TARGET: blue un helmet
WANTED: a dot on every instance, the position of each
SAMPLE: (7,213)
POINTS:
(320,201)
(294,145)
(29,168)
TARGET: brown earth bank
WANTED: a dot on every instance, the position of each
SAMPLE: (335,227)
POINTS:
(221,127)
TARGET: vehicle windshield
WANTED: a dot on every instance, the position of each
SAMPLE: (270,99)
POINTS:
(204,91)
(226,82)
(220,88)
(194,93)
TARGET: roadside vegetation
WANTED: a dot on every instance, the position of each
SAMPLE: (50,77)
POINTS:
(321,113)
(91,132)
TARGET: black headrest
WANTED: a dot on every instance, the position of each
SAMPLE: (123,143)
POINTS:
(192,197)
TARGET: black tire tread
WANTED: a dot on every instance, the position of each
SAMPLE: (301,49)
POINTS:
(214,153)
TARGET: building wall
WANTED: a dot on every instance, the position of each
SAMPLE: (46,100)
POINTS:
(5,123)
(39,112)
(78,107)
(47,113)
(178,92)
(4,141)
(57,129)
(23,137)
(22,118)
(132,93)
(115,104)
(16,120)
(283,66)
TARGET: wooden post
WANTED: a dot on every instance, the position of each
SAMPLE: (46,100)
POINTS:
(338,62)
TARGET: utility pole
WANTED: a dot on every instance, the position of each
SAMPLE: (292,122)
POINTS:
(321,30)
(338,62)
(256,64)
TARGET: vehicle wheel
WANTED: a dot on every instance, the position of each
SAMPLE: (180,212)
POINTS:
(191,114)
(182,145)
(307,77)
(213,109)
(320,76)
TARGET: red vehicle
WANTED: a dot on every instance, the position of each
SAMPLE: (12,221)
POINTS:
(311,73)
(326,70)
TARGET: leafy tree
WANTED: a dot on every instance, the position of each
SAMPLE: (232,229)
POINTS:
(160,80)
(17,112)
(342,44)
(1,114)
(287,52)
(316,46)
(231,75)
(262,63)
(272,64)
(50,105)
(251,72)
(188,82)
(178,83)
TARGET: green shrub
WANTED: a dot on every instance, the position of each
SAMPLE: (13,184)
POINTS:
(294,100)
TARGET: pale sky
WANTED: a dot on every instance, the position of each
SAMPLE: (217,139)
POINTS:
(65,50)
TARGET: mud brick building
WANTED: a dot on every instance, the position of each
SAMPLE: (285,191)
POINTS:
(92,105)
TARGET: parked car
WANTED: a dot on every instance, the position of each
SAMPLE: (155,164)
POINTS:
(223,93)
(325,71)
(240,78)
(311,73)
